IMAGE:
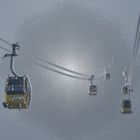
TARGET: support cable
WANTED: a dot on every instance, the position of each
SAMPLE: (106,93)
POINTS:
(83,76)
(134,54)
(60,67)
(62,73)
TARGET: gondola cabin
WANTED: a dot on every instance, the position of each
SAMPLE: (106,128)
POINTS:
(126,89)
(126,106)
(107,76)
(93,90)
(17,93)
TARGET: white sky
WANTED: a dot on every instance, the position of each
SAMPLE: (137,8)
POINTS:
(14,13)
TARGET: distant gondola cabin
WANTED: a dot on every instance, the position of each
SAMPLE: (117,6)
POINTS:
(107,76)
(126,106)
(126,89)
(93,90)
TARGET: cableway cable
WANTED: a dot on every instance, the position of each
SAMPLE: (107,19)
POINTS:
(62,73)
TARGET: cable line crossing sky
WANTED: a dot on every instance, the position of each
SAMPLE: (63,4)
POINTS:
(79,76)
(134,54)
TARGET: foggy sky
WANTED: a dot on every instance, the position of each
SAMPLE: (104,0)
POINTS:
(81,36)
